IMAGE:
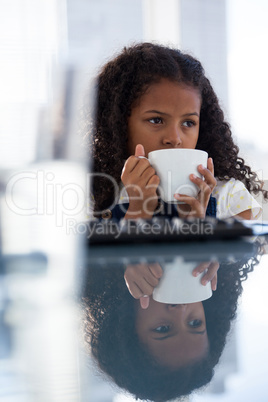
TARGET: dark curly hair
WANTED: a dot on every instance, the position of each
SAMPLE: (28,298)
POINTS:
(121,82)
(109,328)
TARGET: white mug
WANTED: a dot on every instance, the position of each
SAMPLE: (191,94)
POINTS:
(178,285)
(174,166)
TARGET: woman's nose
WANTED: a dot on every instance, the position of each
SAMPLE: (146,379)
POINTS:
(172,138)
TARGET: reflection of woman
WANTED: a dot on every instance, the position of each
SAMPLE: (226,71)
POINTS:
(111,322)
(175,334)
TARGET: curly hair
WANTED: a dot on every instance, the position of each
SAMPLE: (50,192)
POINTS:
(109,328)
(121,82)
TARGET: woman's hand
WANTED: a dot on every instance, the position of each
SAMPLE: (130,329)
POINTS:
(141,279)
(196,207)
(210,275)
(141,183)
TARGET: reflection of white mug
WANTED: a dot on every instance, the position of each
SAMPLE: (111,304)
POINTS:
(174,166)
(178,285)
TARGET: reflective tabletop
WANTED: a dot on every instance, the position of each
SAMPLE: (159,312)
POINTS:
(114,333)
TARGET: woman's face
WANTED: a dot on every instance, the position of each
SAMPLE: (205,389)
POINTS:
(175,334)
(166,116)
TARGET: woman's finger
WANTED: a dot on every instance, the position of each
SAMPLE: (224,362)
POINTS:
(139,289)
(206,185)
(129,165)
(141,166)
(145,287)
(200,268)
(139,151)
(136,165)
(196,207)
(211,272)
(144,302)
(210,165)
(134,290)
(149,279)
(208,175)
(147,175)
(145,274)
(214,283)
(156,270)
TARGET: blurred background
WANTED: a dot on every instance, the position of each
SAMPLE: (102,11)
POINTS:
(49,51)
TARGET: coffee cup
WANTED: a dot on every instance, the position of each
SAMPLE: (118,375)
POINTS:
(174,166)
(178,285)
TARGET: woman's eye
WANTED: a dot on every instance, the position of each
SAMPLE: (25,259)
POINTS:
(189,123)
(195,323)
(156,120)
(162,329)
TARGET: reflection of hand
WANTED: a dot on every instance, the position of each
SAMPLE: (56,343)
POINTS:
(196,207)
(141,279)
(141,182)
(210,275)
